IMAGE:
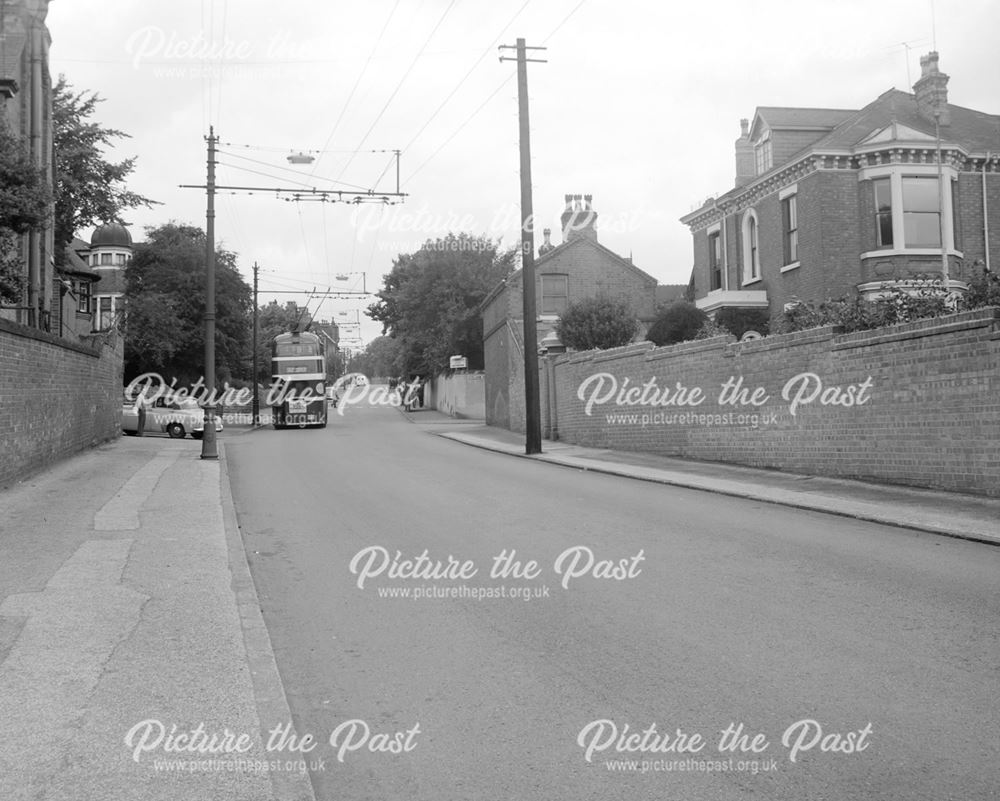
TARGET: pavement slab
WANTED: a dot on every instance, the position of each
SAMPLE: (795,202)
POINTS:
(139,631)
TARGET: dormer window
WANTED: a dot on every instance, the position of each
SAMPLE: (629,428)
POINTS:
(764,154)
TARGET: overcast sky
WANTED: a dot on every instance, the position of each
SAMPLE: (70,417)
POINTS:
(638,105)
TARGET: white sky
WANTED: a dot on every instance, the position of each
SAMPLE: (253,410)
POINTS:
(639,105)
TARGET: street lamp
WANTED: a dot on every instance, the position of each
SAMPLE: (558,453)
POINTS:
(347,276)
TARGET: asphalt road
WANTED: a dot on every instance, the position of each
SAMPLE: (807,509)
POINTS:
(868,653)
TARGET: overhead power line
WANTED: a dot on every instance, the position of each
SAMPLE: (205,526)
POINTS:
(487,51)
(361,75)
(289,169)
(401,82)
(489,97)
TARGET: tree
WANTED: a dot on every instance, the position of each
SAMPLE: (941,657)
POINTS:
(24,199)
(165,307)
(430,299)
(597,323)
(88,189)
(382,358)
(678,322)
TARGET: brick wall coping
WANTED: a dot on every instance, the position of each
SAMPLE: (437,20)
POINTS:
(693,346)
(27,332)
(977,318)
(963,321)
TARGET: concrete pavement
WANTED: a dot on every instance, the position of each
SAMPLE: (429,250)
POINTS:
(951,514)
(127,610)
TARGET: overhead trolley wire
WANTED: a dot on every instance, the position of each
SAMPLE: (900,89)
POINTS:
(489,97)
(402,80)
(361,75)
(291,170)
(489,49)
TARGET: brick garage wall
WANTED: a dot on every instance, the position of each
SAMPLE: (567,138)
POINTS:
(930,418)
(56,397)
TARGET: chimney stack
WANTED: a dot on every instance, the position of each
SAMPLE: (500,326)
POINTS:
(547,244)
(746,168)
(931,91)
(579,218)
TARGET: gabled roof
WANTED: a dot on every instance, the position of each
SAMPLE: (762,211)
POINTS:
(892,116)
(565,246)
(74,265)
(975,130)
(540,261)
(667,293)
(783,117)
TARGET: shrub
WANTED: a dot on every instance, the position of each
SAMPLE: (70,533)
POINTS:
(854,313)
(712,329)
(597,323)
(678,322)
(739,321)
(984,290)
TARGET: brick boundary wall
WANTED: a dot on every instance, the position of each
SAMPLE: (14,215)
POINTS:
(915,404)
(56,397)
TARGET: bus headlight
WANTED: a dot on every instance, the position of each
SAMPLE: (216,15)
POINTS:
(319,389)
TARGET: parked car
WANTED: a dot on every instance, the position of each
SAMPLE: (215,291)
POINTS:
(174,418)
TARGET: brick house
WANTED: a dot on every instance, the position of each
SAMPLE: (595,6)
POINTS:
(109,254)
(829,202)
(578,268)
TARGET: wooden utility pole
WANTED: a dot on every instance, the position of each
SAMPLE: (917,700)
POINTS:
(532,405)
(255,404)
(209,449)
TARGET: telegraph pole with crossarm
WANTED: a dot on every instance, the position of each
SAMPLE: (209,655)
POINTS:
(532,404)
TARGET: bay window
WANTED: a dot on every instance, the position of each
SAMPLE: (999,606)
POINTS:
(909,215)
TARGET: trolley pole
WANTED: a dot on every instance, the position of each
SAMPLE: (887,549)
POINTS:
(209,449)
(255,402)
(532,401)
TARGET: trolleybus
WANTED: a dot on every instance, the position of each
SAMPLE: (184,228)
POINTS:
(298,375)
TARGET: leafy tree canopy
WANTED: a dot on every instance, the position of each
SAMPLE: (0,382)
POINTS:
(597,323)
(678,322)
(24,192)
(24,199)
(165,306)
(382,358)
(89,189)
(429,302)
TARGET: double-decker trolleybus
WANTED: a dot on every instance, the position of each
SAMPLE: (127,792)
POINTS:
(298,374)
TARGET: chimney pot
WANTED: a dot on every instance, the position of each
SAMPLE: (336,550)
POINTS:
(746,165)
(578,220)
(931,91)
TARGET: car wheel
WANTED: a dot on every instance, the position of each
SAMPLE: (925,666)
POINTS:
(196,434)
(175,431)
(130,433)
